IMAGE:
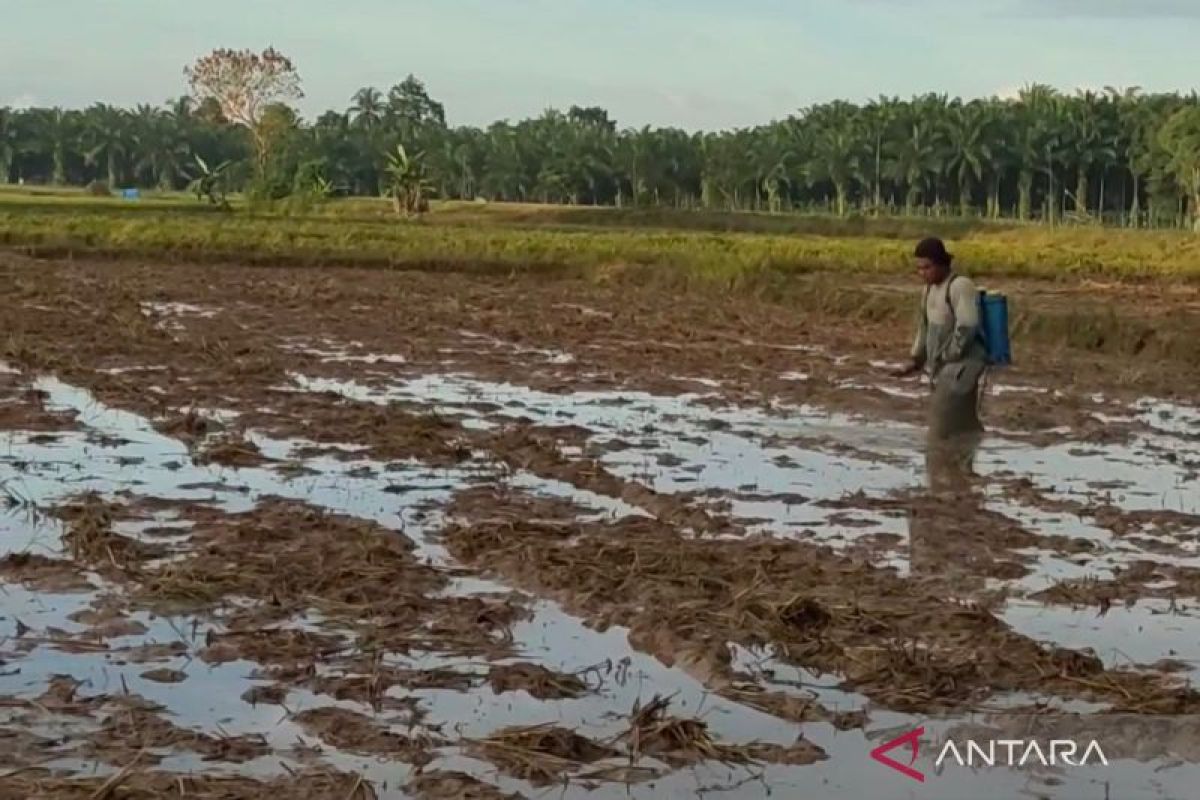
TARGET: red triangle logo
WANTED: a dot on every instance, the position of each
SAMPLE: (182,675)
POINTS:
(913,740)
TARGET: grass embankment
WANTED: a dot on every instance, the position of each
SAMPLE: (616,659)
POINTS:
(501,238)
(542,215)
(672,219)
(642,247)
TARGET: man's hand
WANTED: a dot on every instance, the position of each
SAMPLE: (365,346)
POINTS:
(911,368)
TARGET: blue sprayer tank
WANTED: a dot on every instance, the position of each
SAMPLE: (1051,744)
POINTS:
(993,325)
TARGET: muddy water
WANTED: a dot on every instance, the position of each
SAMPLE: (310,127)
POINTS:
(682,444)
(148,463)
(1137,635)
(775,468)
(771,467)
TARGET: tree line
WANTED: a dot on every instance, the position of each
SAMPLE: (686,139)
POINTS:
(1117,156)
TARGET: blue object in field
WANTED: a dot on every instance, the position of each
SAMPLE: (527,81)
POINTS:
(130,194)
(993,324)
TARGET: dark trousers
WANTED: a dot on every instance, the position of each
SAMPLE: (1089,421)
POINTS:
(954,400)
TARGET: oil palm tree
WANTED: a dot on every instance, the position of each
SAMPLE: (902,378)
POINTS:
(367,108)
(835,158)
(54,133)
(632,157)
(1107,149)
(505,176)
(181,108)
(1136,121)
(159,144)
(933,110)
(772,157)
(1026,151)
(968,149)
(916,159)
(677,167)
(1180,141)
(998,143)
(836,148)
(1031,113)
(106,138)
(879,120)
(722,170)
(1090,143)
(1054,143)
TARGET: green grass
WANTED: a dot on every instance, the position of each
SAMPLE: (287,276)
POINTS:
(501,237)
(647,247)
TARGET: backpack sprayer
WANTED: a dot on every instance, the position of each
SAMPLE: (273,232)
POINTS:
(993,327)
(993,330)
(993,324)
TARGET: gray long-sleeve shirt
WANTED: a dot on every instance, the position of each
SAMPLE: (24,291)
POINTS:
(944,337)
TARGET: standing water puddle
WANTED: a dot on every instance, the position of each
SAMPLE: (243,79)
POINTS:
(788,471)
(141,460)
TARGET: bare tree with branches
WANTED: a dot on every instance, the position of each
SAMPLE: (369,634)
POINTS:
(244,84)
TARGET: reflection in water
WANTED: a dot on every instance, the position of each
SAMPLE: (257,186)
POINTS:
(951,481)
(950,464)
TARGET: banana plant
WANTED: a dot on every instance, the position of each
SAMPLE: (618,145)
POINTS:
(408,185)
(210,182)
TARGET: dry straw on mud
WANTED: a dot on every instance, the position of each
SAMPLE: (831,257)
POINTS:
(539,682)
(540,754)
(41,573)
(546,753)
(142,730)
(685,741)
(390,434)
(444,785)
(354,733)
(188,426)
(685,598)
(652,732)
(90,537)
(230,450)
(133,783)
(293,556)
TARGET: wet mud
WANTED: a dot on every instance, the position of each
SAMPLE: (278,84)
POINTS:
(277,531)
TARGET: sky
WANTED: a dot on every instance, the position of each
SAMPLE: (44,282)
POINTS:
(695,64)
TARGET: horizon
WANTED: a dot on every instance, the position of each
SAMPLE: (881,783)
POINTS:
(703,67)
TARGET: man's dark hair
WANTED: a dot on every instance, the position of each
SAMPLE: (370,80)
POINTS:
(935,250)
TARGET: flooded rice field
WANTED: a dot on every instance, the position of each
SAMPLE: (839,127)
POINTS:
(275,532)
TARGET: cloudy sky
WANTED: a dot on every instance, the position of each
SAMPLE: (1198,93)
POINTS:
(692,63)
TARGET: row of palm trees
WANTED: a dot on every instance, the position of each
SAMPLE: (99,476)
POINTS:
(146,146)
(1115,156)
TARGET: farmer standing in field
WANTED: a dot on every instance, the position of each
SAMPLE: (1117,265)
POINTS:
(948,345)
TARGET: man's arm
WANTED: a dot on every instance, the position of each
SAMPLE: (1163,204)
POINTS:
(917,355)
(963,297)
